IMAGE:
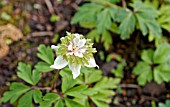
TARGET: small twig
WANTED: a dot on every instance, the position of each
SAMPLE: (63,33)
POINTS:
(35,34)
(49,6)
(129,86)
(149,98)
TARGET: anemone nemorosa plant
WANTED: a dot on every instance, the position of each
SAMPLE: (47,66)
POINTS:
(74,51)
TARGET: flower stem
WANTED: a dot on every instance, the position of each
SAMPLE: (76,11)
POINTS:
(53,82)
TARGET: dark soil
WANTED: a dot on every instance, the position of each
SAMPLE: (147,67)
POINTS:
(24,50)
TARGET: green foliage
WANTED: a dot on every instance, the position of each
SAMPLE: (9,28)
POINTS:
(166,104)
(26,74)
(154,64)
(88,20)
(104,17)
(16,90)
(118,71)
(127,19)
(106,39)
(147,21)
(48,99)
(75,93)
(23,93)
(104,24)
(45,54)
(164,17)
(86,15)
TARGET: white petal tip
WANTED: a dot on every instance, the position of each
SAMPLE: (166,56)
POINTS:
(97,66)
(55,47)
(75,76)
(53,66)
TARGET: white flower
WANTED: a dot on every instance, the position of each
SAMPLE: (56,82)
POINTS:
(75,47)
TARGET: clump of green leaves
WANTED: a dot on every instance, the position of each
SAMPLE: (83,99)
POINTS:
(106,17)
(155,65)
(164,17)
(118,71)
(90,85)
(21,92)
(89,88)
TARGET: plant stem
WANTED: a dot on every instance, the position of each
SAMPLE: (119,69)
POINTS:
(53,82)
(41,88)
(124,3)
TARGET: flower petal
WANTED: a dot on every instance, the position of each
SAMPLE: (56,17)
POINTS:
(70,47)
(76,40)
(82,50)
(79,54)
(81,43)
(75,70)
(92,63)
(59,63)
(76,34)
(55,47)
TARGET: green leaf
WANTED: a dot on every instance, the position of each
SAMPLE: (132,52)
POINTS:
(101,97)
(114,28)
(89,92)
(26,100)
(88,24)
(71,103)
(127,25)
(147,21)
(15,91)
(162,73)
(37,95)
(104,20)
(118,72)
(36,76)
(107,83)
(121,14)
(107,39)
(43,67)
(81,101)
(166,104)
(67,80)
(91,75)
(46,54)
(142,69)
(164,17)
(59,103)
(147,56)
(77,91)
(25,72)
(162,53)
(93,35)
(84,15)
(99,103)
(49,99)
